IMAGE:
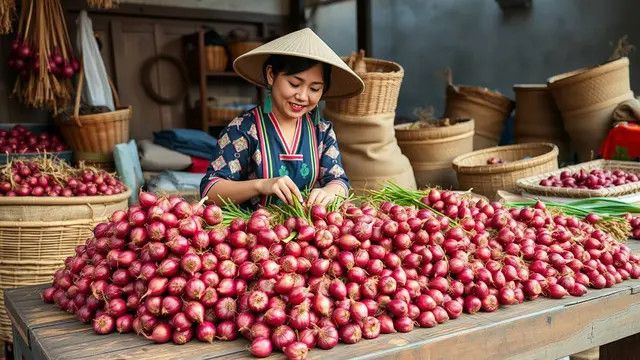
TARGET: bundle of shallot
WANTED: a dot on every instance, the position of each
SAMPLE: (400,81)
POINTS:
(42,56)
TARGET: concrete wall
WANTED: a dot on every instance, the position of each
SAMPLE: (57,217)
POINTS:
(336,25)
(274,7)
(483,44)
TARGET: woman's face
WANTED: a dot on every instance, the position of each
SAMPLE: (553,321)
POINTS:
(296,94)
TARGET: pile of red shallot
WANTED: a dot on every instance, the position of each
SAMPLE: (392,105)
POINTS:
(172,271)
(495,160)
(634,221)
(51,177)
(594,179)
(21,140)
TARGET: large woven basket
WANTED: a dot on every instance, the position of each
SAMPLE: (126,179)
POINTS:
(216,58)
(221,116)
(537,118)
(93,137)
(488,108)
(522,160)
(38,233)
(586,98)
(431,150)
(531,184)
(237,48)
(381,90)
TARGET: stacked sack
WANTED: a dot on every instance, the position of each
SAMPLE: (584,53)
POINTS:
(364,126)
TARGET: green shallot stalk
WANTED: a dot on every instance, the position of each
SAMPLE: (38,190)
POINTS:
(393,192)
(231,211)
(610,211)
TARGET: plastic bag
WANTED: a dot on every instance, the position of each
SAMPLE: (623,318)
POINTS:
(96,90)
(128,166)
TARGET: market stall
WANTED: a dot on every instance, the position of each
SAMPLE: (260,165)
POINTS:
(317,222)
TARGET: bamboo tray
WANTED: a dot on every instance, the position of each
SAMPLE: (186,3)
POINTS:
(531,184)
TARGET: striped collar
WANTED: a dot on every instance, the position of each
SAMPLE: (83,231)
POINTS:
(292,148)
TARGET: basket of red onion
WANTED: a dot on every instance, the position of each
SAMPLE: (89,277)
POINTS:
(47,208)
(25,141)
(598,178)
(498,168)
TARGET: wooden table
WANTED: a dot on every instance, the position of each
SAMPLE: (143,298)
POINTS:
(541,329)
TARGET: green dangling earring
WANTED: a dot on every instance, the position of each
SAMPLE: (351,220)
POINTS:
(268,106)
(316,115)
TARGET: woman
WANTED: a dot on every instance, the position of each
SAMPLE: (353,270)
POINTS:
(274,152)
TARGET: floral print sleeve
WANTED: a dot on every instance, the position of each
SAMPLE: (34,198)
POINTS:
(331,169)
(232,158)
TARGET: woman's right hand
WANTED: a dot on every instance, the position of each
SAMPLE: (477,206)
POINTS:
(282,187)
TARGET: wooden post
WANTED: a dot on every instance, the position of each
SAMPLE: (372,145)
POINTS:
(202,79)
(297,18)
(363,13)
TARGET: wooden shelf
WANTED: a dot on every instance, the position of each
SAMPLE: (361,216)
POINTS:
(222,74)
(205,78)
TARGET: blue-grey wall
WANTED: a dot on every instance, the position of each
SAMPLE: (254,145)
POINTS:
(481,43)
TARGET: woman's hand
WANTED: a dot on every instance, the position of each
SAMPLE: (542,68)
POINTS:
(282,187)
(320,196)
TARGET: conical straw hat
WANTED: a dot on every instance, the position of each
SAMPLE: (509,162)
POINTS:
(303,43)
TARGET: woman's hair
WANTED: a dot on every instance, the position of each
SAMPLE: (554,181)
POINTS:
(290,65)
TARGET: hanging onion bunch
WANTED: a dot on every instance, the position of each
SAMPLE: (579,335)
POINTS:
(7,12)
(43,56)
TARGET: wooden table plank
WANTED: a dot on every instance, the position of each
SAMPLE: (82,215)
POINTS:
(193,351)
(16,308)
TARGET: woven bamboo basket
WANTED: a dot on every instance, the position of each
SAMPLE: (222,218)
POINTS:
(381,90)
(216,58)
(431,150)
(93,137)
(531,184)
(488,108)
(522,160)
(238,48)
(37,234)
(586,98)
(221,116)
(537,118)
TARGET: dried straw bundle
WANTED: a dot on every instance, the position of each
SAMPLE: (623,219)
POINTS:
(7,12)
(102,4)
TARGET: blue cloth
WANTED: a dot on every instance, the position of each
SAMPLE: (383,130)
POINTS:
(187,141)
(175,181)
(185,180)
(252,147)
(128,167)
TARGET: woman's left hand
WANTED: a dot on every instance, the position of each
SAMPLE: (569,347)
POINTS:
(320,196)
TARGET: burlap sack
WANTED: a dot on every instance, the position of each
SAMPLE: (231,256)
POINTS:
(627,111)
(370,153)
